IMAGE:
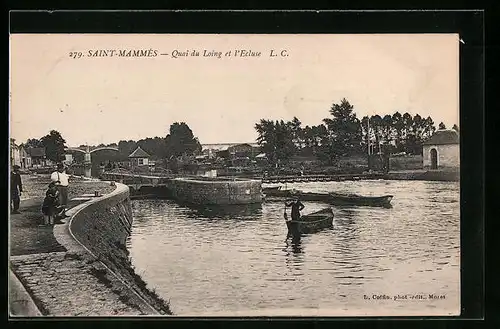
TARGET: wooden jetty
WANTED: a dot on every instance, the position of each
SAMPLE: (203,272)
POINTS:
(321,178)
(137,181)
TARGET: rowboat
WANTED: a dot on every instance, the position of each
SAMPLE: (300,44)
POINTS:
(277,192)
(311,223)
(331,198)
(354,199)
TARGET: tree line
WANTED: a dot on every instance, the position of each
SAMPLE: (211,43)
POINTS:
(343,134)
(178,142)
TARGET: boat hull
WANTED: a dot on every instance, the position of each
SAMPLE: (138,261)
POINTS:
(332,198)
(311,223)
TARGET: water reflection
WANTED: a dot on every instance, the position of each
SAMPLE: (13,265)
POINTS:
(241,258)
(294,253)
(239,212)
(294,244)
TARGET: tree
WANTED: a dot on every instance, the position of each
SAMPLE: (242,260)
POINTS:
(366,131)
(297,132)
(387,129)
(54,146)
(307,136)
(420,130)
(442,125)
(33,143)
(156,147)
(415,138)
(398,125)
(276,140)
(312,137)
(376,125)
(428,129)
(181,141)
(407,126)
(344,131)
(125,148)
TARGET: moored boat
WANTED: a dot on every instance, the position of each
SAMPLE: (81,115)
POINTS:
(331,198)
(277,192)
(354,199)
(312,222)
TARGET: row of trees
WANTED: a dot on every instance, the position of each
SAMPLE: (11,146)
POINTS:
(179,141)
(344,134)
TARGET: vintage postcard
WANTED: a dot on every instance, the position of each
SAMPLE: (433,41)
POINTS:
(234,175)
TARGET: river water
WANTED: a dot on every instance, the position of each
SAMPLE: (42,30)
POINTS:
(239,261)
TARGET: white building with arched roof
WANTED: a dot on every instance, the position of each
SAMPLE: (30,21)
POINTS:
(442,150)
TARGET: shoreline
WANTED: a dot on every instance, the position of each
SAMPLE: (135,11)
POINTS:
(420,174)
(49,263)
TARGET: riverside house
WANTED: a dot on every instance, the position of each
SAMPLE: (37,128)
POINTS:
(242,155)
(19,155)
(25,157)
(38,157)
(442,150)
(15,156)
(139,158)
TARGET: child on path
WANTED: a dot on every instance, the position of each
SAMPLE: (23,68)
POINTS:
(51,207)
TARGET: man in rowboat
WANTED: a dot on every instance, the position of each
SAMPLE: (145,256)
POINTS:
(296,205)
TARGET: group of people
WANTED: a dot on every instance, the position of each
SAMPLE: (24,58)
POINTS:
(56,197)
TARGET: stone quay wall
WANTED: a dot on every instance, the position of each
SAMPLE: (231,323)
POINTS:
(102,227)
(89,272)
(216,191)
(425,175)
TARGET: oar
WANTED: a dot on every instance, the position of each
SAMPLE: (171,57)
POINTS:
(286,221)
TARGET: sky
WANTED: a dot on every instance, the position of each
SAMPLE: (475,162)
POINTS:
(107,99)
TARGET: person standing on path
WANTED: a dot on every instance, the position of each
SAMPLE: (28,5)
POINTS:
(16,188)
(61,179)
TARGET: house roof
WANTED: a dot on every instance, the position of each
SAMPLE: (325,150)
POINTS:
(223,146)
(139,153)
(36,151)
(241,145)
(443,137)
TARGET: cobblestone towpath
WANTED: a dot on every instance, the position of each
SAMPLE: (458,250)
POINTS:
(62,282)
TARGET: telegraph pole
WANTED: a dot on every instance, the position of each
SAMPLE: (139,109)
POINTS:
(368,137)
